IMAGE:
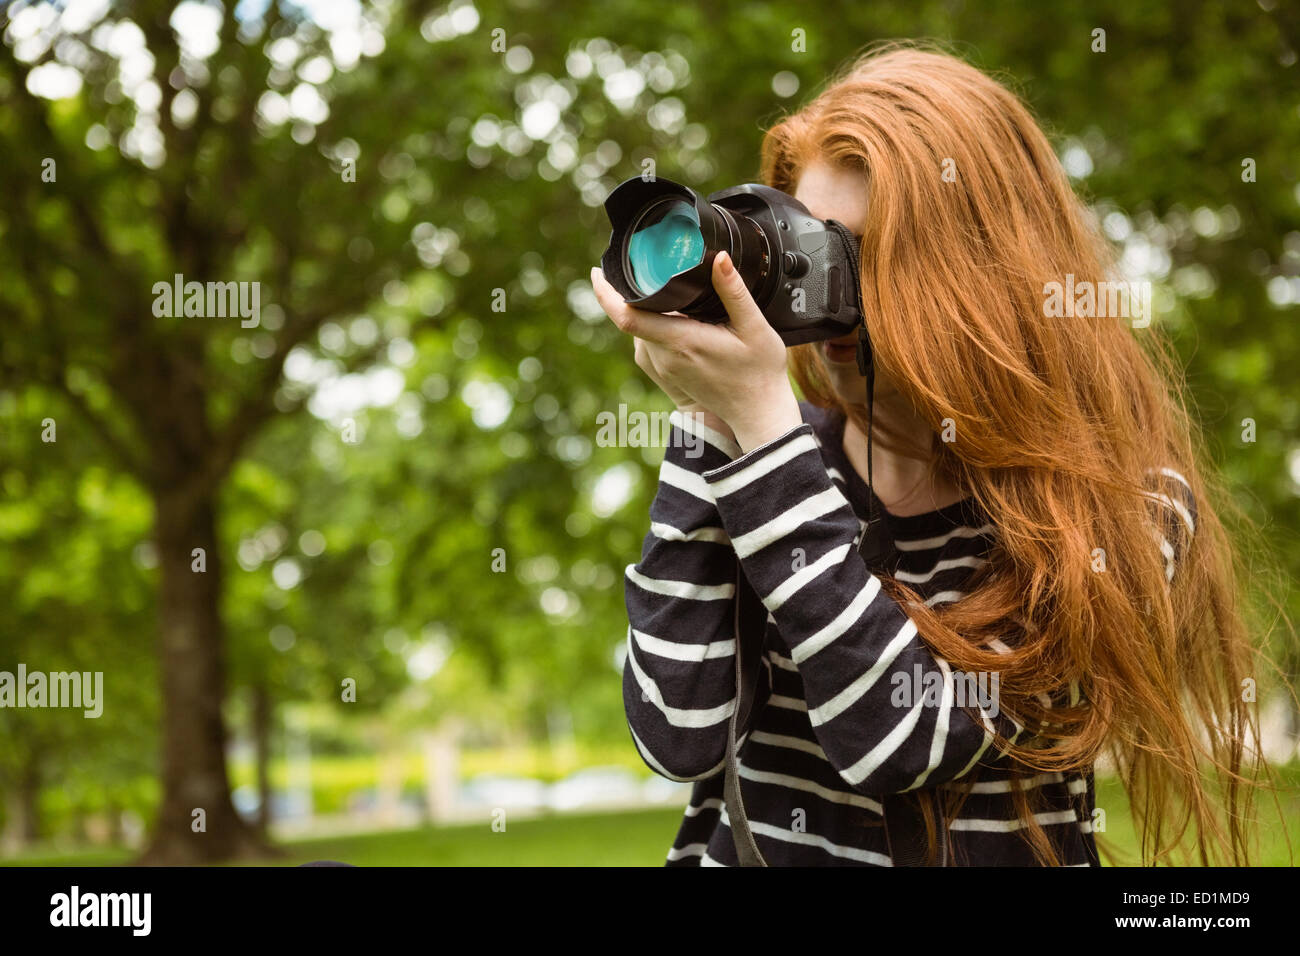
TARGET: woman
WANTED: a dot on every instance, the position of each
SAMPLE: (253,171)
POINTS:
(1064,590)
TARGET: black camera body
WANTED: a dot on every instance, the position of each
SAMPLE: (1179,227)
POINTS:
(803,272)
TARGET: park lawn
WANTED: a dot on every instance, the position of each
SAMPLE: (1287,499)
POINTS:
(640,838)
(1120,836)
(637,838)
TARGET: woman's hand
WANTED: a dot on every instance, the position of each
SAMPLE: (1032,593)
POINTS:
(736,371)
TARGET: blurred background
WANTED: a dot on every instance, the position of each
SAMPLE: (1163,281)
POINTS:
(352,573)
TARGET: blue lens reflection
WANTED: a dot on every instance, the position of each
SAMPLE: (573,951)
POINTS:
(669,246)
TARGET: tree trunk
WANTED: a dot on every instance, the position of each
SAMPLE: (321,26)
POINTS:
(193,689)
(116,833)
(261,731)
(22,824)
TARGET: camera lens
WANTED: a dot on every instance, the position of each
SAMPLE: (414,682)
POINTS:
(664,242)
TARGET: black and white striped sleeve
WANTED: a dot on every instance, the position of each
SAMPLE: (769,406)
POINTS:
(1176,520)
(679,671)
(794,532)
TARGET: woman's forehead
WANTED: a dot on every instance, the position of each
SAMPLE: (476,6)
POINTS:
(833,192)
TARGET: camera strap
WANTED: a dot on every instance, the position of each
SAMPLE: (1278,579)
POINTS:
(877,545)
(904,824)
(902,812)
(750,626)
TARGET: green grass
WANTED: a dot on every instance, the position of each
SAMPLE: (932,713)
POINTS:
(1271,850)
(607,839)
(640,838)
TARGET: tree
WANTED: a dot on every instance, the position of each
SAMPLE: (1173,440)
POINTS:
(204,198)
(200,166)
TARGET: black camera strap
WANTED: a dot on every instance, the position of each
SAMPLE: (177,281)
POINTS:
(903,814)
(876,548)
(750,625)
(877,545)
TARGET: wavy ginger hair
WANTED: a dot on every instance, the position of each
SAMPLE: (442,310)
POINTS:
(1056,423)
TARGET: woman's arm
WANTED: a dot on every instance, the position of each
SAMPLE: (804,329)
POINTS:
(679,673)
(795,533)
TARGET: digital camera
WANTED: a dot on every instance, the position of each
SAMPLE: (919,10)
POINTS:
(802,271)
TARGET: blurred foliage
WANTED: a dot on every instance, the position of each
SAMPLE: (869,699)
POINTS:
(480,170)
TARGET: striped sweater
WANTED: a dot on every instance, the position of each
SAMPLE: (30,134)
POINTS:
(851,705)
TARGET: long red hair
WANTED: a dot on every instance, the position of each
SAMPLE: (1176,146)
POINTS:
(1056,425)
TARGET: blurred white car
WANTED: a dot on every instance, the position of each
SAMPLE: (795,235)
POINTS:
(595,786)
(492,790)
(658,789)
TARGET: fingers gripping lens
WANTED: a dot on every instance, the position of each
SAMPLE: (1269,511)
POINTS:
(665,242)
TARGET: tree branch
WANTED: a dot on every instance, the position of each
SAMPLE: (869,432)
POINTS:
(119,449)
(258,408)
